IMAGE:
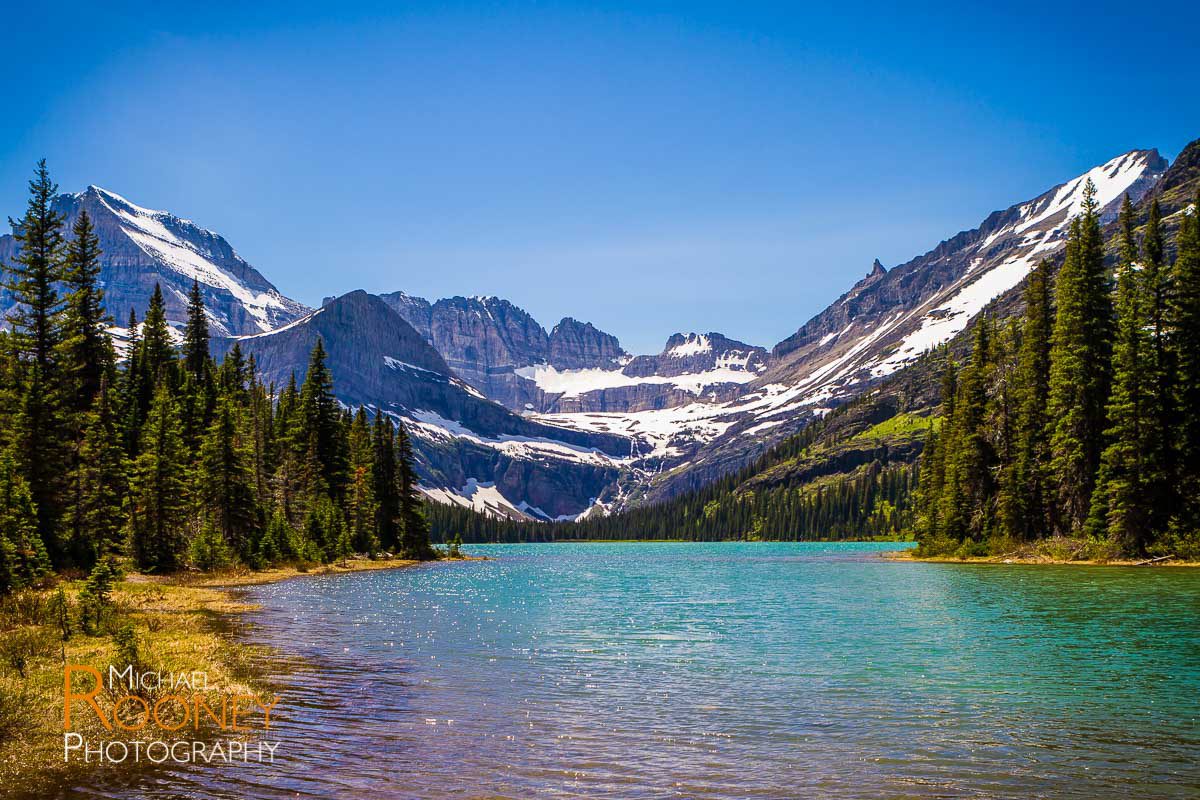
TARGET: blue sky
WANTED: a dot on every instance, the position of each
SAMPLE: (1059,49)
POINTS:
(650,167)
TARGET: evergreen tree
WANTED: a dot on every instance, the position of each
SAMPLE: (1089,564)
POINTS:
(287,482)
(131,388)
(156,353)
(1158,448)
(1184,327)
(195,336)
(23,558)
(36,320)
(1119,508)
(1033,386)
(1079,368)
(970,506)
(360,498)
(320,426)
(99,485)
(414,529)
(234,376)
(158,488)
(225,482)
(384,484)
(87,352)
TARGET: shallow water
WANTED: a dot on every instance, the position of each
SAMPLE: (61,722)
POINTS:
(725,671)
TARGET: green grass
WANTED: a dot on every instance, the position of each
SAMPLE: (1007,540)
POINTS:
(902,426)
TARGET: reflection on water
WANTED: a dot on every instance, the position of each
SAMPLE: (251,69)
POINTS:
(723,671)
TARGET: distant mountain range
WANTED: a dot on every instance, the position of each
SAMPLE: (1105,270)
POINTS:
(512,419)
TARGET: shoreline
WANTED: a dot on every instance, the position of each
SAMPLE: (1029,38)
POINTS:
(1035,560)
(183,622)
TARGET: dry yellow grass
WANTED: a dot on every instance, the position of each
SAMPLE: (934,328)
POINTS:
(183,624)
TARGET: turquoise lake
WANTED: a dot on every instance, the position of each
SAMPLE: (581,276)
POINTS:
(725,671)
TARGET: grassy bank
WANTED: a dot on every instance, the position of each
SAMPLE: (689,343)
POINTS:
(177,624)
(1054,550)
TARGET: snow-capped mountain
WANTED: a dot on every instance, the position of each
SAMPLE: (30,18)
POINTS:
(889,318)
(141,247)
(466,444)
(503,352)
(885,322)
(512,419)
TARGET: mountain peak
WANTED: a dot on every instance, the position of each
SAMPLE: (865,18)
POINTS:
(141,247)
(877,268)
(691,344)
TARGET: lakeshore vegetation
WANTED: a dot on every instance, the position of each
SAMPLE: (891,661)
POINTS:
(164,459)
(1080,420)
(1068,432)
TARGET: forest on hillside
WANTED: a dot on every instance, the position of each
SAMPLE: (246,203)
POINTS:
(1081,419)
(1075,423)
(163,458)
(1077,420)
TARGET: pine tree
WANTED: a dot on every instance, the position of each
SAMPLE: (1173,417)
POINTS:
(225,482)
(1119,504)
(414,529)
(1184,331)
(320,425)
(233,375)
(23,558)
(87,352)
(360,498)
(384,484)
(1079,368)
(156,354)
(1158,456)
(99,485)
(287,481)
(131,388)
(158,488)
(195,336)
(36,320)
(1033,387)
(970,508)
(262,439)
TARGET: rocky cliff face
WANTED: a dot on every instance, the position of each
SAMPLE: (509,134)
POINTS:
(503,352)
(929,299)
(883,324)
(697,353)
(595,423)
(580,345)
(380,361)
(142,247)
(483,339)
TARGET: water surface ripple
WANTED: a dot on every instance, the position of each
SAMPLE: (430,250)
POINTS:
(726,671)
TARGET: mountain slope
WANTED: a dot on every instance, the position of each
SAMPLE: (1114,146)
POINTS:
(464,441)
(503,352)
(884,428)
(885,322)
(141,247)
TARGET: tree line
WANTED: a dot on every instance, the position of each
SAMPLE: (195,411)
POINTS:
(164,456)
(1081,419)
(872,501)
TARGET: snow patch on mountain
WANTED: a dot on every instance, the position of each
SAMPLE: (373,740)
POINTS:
(693,345)
(575,382)
(483,498)
(187,255)
(430,424)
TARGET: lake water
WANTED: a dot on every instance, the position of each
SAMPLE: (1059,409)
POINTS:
(726,671)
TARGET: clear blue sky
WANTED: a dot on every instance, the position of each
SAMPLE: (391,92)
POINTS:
(649,167)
